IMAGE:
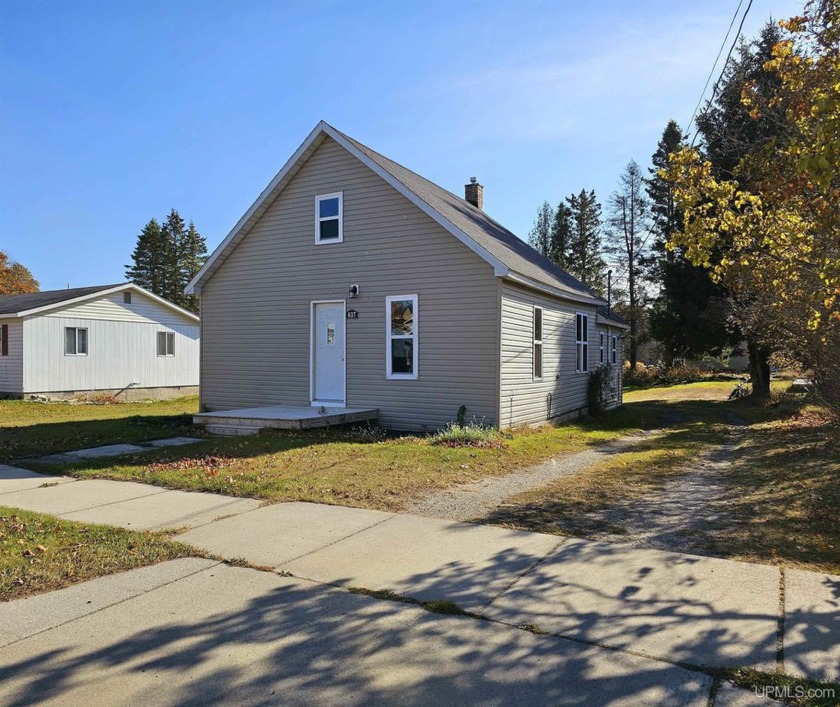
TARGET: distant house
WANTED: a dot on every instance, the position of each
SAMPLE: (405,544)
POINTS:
(354,282)
(118,339)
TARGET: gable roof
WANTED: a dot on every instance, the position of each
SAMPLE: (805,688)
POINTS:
(510,257)
(606,315)
(36,302)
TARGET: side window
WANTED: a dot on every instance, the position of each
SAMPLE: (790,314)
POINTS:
(601,347)
(75,341)
(4,340)
(329,215)
(615,349)
(537,329)
(401,337)
(127,297)
(581,343)
(165,343)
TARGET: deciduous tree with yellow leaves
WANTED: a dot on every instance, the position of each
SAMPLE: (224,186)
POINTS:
(772,233)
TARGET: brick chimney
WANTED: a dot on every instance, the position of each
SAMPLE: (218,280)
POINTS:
(474,193)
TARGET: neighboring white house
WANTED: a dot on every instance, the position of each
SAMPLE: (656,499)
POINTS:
(119,339)
(354,282)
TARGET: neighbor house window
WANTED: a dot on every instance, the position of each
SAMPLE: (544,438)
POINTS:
(4,340)
(401,336)
(600,348)
(537,327)
(75,341)
(615,349)
(329,211)
(581,343)
(165,343)
(127,297)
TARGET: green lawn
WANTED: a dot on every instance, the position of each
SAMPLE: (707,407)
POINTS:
(39,553)
(34,429)
(351,466)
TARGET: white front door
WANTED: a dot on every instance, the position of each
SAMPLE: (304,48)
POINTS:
(328,352)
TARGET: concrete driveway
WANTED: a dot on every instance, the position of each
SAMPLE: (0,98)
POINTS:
(603,623)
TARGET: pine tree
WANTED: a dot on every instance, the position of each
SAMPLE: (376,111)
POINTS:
(628,231)
(561,234)
(540,236)
(584,258)
(173,235)
(148,267)
(192,258)
(690,315)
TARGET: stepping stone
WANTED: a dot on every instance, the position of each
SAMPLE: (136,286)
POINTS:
(174,441)
(110,450)
(812,625)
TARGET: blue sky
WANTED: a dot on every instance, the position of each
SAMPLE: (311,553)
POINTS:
(112,113)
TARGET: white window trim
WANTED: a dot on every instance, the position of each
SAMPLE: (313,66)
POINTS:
(323,197)
(582,342)
(537,342)
(166,344)
(600,346)
(76,347)
(415,336)
(614,355)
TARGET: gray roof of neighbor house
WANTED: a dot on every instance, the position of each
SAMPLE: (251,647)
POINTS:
(10,305)
(510,256)
(608,314)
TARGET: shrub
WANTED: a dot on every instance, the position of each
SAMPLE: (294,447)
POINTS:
(598,389)
(472,434)
(649,376)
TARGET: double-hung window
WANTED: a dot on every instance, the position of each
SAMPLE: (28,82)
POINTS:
(75,341)
(165,343)
(581,343)
(601,347)
(537,327)
(401,337)
(329,215)
(4,339)
(615,349)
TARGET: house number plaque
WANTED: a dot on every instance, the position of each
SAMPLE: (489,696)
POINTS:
(352,314)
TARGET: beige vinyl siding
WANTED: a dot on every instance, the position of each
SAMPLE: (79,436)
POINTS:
(111,307)
(524,400)
(11,366)
(256,307)
(119,353)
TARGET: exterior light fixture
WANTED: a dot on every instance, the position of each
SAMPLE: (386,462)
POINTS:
(354,291)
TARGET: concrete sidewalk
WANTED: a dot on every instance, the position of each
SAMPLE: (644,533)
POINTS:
(665,606)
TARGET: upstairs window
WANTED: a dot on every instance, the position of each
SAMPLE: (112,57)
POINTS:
(127,297)
(538,344)
(329,215)
(165,343)
(401,337)
(581,343)
(75,341)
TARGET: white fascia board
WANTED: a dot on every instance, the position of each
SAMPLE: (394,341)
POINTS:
(194,287)
(554,291)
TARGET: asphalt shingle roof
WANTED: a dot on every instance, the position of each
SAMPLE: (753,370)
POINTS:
(481,228)
(12,304)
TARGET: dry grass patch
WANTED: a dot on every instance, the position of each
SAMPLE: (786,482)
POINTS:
(39,553)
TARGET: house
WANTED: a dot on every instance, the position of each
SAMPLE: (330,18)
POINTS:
(117,339)
(352,281)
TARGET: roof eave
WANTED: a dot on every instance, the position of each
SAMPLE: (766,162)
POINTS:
(554,291)
(609,321)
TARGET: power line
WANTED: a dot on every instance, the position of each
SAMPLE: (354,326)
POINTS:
(717,58)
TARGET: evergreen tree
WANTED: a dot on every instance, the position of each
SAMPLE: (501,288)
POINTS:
(172,244)
(193,256)
(540,236)
(690,316)
(584,256)
(561,233)
(148,268)
(628,231)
